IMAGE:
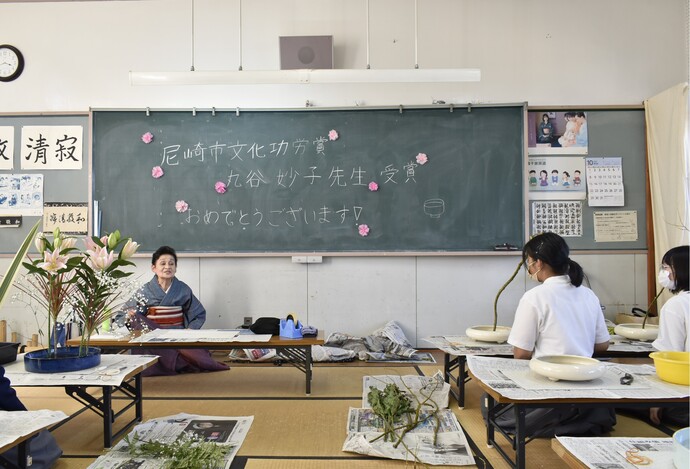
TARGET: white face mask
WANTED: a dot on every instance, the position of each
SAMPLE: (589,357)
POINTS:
(665,281)
(533,276)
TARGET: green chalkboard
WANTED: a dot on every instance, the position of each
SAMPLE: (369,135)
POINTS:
(291,188)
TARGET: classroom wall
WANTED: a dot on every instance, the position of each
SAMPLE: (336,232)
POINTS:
(590,53)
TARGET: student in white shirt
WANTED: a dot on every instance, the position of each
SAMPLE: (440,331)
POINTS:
(674,320)
(558,317)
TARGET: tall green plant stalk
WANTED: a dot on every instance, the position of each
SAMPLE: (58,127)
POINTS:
(12,270)
(517,269)
(646,313)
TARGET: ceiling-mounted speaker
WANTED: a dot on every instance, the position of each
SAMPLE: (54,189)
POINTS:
(315,52)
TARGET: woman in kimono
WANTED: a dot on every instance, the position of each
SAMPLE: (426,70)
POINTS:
(169,303)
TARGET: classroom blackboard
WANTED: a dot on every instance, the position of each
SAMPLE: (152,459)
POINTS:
(618,133)
(58,185)
(293,186)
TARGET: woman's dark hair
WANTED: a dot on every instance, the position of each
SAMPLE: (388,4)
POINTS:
(553,250)
(678,258)
(163,250)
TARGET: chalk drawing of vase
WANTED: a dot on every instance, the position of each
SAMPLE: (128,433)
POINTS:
(434,207)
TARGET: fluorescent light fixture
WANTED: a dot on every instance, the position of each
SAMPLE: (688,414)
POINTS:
(287,77)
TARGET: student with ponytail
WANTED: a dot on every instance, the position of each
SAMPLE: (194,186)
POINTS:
(558,317)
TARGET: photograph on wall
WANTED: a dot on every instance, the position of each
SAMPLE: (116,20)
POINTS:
(562,217)
(21,194)
(556,177)
(557,133)
(51,147)
(6,148)
(71,218)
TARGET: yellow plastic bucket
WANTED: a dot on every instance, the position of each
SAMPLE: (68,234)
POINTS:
(673,367)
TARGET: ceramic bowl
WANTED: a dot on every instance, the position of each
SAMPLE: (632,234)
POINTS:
(636,332)
(488,334)
(673,367)
(681,448)
(567,367)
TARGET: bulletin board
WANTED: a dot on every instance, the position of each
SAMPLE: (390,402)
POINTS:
(59,186)
(612,133)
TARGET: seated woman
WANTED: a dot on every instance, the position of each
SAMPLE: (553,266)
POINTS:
(181,309)
(558,317)
(674,320)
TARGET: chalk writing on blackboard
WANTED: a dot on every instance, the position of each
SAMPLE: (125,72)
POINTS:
(268,181)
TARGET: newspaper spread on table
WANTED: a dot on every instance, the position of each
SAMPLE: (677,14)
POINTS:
(620,453)
(621,344)
(187,335)
(505,375)
(417,388)
(19,423)
(110,372)
(451,447)
(226,431)
(463,345)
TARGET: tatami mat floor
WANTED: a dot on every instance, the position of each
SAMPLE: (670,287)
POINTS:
(290,430)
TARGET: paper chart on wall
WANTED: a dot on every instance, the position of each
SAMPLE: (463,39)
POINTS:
(6,148)
(21,194)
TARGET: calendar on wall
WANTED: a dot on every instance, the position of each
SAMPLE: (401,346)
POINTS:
(605,182)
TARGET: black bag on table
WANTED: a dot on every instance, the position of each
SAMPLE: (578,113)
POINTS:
(266,326)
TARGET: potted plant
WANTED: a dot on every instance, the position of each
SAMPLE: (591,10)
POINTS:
(89,284)
(644,331)
(494,333)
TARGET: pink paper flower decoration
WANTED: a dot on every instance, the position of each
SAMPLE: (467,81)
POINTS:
(157,172)
(221,188)
(422,158)
(363,230)
(181,206)
(373,187)
(147,137)
(333,135)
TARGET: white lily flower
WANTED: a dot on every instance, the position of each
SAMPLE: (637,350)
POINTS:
(129,249)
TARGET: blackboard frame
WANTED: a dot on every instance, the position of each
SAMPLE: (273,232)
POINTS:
(515,161)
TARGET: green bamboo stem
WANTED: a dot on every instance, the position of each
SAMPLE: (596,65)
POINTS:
(646,313)
(517,269)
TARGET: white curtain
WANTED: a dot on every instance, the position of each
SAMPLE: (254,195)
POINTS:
(669,168)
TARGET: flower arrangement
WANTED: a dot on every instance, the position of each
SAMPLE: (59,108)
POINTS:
(88,284)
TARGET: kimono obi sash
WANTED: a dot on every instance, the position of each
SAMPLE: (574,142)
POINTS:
(166,316)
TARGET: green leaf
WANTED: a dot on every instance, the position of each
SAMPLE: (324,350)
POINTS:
(12,270)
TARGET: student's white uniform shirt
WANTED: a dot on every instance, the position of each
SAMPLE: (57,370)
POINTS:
(557,318)
(674,320)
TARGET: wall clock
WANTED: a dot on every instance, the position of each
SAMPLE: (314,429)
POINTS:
(11,63)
